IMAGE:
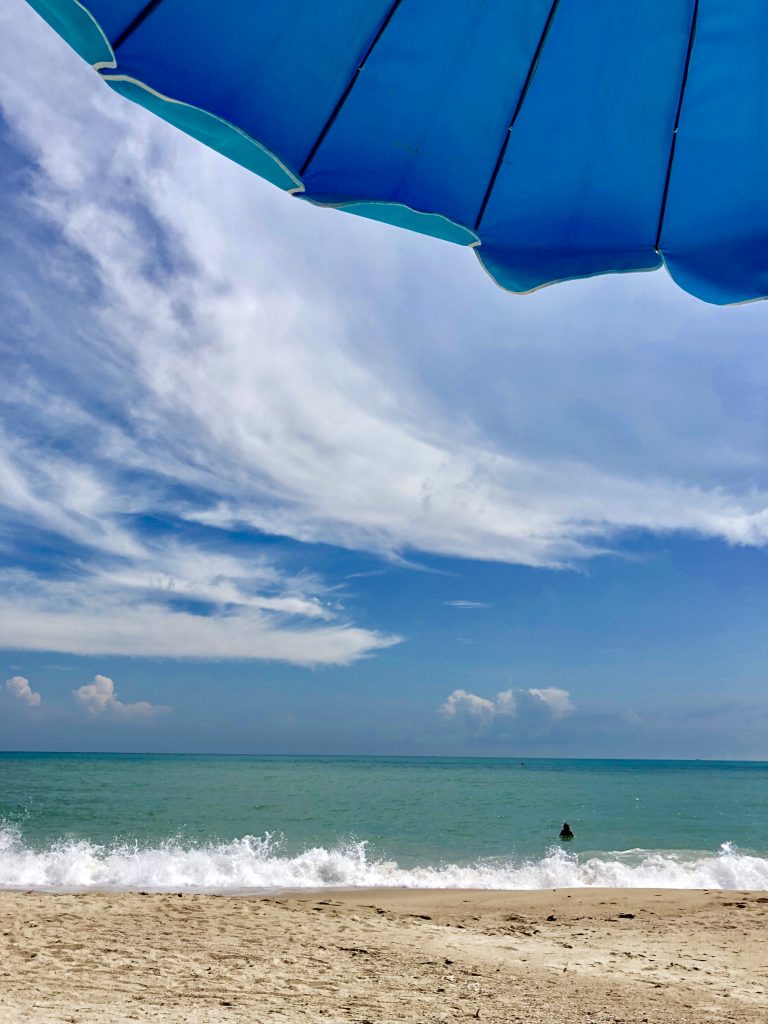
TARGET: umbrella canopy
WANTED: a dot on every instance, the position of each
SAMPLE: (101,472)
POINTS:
(558,139)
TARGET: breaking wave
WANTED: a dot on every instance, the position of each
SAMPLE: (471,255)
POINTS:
(261,863)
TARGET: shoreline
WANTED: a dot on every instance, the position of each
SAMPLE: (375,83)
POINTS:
(386,955)
(351,891)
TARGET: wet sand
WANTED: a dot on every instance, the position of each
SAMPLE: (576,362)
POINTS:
(380,956)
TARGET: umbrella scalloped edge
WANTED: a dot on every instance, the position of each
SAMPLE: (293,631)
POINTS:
(78,27)
(211,130)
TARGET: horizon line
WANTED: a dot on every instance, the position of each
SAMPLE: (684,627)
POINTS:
(520,758)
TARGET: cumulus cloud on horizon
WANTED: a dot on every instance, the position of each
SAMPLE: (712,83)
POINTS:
(507,704)
(18,687)
(556,700)
(99,698)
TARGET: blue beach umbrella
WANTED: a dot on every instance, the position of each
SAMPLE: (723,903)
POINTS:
(558,139)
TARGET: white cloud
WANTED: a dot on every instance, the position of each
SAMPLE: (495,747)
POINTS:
(104,615)
(466,604)
(507,704)
(558,701)
(100,698)
(19,687)
(460,700)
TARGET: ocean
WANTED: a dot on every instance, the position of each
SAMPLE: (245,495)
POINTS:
(207,823)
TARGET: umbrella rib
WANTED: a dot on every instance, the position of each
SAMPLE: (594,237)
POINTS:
(518,107)
(343,98)
(140,18)
(668,178)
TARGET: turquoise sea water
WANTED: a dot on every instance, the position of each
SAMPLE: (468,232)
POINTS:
(200,822)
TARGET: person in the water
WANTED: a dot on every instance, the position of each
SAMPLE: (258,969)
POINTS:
(565,831)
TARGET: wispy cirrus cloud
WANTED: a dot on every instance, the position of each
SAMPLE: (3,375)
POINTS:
(460,603)
(73,618)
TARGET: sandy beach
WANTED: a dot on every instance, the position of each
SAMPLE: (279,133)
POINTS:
(374,956)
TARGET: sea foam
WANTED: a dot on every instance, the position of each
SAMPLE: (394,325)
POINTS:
(260,863)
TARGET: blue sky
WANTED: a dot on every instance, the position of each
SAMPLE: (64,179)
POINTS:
(279,479)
